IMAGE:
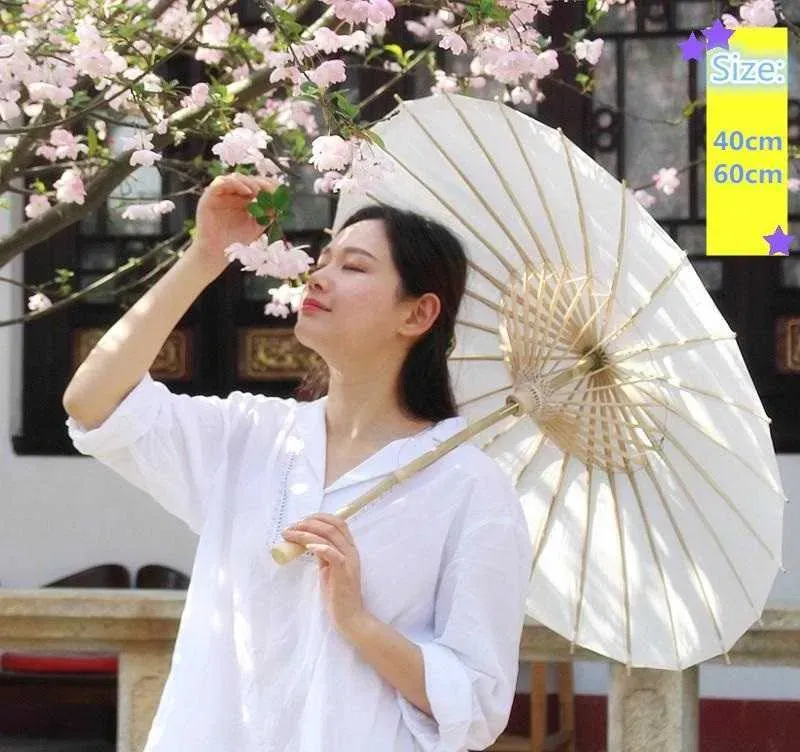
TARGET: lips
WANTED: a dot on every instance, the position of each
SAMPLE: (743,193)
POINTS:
(313,304)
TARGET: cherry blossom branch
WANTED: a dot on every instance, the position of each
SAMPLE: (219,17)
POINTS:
(97,284)
(99,101)
(62,215)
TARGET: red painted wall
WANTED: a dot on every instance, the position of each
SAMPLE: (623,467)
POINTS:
(725,725)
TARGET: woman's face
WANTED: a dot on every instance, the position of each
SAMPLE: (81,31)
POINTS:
(355,278)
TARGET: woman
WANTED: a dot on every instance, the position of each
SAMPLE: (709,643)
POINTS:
(398,630)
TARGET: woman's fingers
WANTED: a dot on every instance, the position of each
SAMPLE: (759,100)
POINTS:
(336,532)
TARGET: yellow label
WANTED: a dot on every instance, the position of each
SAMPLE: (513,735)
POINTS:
(747,149)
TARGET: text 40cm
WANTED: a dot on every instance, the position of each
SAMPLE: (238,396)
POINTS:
(737,141)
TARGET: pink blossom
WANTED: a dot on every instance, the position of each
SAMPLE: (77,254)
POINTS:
(452,41)
(521,95)
(39,302)
(144,158)
(328,182)
(546,62)
(667,180)
(263,40)
(327,41)
(589,50)
(424,28)
(362,11)
(69,187)
(152,211)
(40,92)
(331,153)
(276,309)
(329,72)
(358,41)
(198,96)
(644,198)
(794,185)
(289,73)
(37,205)
(444,83)
(9,110)
(276,259)
(287,296)
(758,13)
(215,33)
(63,145)
(241,146)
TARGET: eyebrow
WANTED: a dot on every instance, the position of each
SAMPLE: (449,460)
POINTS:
(349,249)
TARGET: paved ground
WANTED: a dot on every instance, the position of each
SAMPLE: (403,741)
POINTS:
(18,744)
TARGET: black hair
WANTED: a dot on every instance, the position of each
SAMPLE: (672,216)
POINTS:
(428,258)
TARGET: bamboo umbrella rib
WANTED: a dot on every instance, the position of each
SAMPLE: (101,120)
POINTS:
(530,460)
(684,387)
(477,357)
(506,187)
(662,285)
(489,278)
(565,321)
(484,395)
(618,265)
(657,559)
(539,362)
(577,339)
(499,256)
(544,532)
(687,553)
(582,224)
(643,451)
(662,429)
(488,303)
(687,419)
(623,555)
(540,192)
(478,195)
(587,537)
(623,355)
(479,327)
(709,527)
(525,217)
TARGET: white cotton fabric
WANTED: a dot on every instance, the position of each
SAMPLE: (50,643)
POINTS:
(258,665)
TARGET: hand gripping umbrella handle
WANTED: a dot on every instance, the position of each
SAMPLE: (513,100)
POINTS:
(286,551)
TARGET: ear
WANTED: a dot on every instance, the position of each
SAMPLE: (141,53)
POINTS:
(422,315)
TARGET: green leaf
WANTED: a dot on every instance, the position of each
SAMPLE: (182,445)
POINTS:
(256,211)
(281,198)
(375,138)
(397,52)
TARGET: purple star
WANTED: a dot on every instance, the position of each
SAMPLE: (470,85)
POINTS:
(779,242)
(692,48)
(717,35)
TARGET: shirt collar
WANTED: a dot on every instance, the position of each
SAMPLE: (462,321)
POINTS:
(310,430)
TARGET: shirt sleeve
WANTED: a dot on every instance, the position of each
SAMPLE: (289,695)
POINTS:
(472,664)
(172,446)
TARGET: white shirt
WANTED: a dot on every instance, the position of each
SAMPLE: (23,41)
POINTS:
(258,665)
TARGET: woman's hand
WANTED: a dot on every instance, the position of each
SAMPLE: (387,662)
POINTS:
(329,538)
(222,217)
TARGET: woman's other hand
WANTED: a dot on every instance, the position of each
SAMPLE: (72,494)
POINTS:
(222,217)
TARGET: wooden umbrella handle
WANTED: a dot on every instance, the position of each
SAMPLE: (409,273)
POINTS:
(287,551)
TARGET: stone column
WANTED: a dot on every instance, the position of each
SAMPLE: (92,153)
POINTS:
(143,670)
(653,711)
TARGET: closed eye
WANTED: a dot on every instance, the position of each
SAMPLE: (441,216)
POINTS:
(316,267)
